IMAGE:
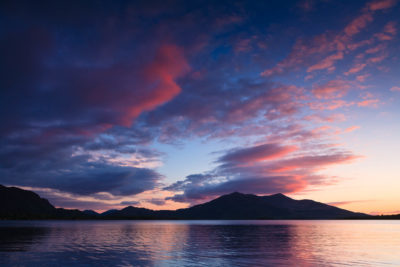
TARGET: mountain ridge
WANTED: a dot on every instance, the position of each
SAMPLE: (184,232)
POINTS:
(16,203)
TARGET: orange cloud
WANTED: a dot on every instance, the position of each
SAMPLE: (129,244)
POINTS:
(351,129)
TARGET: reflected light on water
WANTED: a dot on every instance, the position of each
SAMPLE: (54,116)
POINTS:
(200,243)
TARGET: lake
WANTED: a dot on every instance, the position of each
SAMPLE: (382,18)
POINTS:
(200,243)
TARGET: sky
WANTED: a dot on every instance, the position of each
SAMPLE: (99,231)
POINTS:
(167,104)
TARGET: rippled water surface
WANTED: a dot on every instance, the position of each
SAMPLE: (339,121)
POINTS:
(200,243)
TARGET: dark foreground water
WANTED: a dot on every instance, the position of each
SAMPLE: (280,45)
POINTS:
(200,243)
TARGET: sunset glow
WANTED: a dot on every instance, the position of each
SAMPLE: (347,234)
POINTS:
(165,105)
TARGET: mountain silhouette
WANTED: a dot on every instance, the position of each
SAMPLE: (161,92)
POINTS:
(278,206)
(242,206)
(23,204)
(16,203)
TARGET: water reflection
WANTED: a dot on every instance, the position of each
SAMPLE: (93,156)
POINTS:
(202,243)
(20,238)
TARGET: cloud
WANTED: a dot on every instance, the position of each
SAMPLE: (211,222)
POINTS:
(327,63)
(355,69)
(338,117)
(358,24)
(381,4)
(343,203)
(199,111)
(362,78)
(70,201)
(130,203)
(313,162)
(351,129)
(368,103)
(156,201)
(257,153)
(395,89)
(323,51)
(279,174)
(331,89)
(262,185)
(78,175)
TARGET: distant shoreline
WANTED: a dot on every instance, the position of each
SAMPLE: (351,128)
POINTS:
(19,204)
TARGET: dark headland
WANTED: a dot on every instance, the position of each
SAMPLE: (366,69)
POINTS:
(16,203)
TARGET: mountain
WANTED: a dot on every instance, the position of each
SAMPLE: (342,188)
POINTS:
(90,213)
(245,207)
(278,206)
(16,203)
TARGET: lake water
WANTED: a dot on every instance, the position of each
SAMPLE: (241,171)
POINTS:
(200,243)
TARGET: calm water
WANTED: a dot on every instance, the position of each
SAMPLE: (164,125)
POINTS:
(200,243)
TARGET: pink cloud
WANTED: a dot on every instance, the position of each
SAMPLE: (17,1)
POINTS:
(258,153)
(377,59)
(331,105)
(389,31)
(331,118)
(375,49)
(382,4)
(362,78)
(383,36)
(327,63)
(390,28)
(355,69)
(395,89)
(351,129)
(168,64)
(354,46)
(358,24)
(285,175)
(322,129)
(368,103)
(313,162)
(331,89)
(333,46)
